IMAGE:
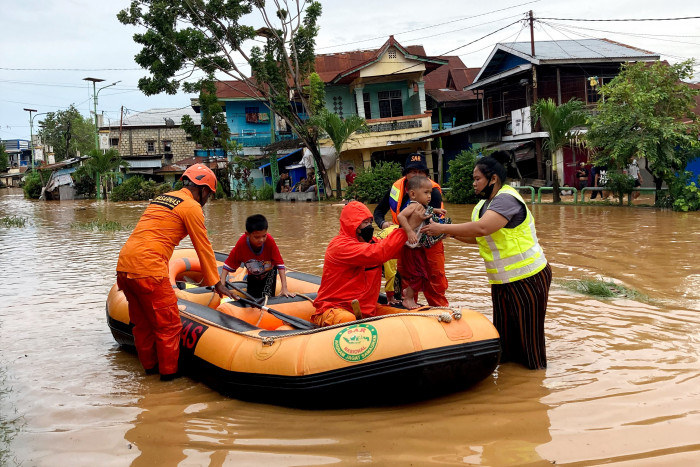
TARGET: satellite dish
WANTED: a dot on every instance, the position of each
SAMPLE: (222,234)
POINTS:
(169,122)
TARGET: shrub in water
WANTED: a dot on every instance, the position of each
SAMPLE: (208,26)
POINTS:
(372,184)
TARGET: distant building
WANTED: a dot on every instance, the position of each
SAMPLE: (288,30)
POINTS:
(151,139)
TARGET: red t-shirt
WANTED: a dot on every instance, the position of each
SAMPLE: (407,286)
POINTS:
(350,178)
(256,263)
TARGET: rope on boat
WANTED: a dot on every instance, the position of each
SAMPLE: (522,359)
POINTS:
(445,317)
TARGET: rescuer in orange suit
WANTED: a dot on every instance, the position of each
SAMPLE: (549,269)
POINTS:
(352,268)
(142,269)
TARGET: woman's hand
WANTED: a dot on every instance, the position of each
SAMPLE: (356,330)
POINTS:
(433,228)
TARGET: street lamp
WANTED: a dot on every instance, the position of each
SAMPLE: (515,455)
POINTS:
(97,128)
(94,100)
(31,135)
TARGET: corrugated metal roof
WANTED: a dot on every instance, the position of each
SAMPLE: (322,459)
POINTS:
(577,49)
(157,117)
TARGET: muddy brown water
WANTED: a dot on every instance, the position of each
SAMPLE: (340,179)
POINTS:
(622,386)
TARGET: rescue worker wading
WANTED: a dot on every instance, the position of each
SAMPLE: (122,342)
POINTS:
(142,269)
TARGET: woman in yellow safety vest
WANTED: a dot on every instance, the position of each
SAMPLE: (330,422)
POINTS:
(503,227)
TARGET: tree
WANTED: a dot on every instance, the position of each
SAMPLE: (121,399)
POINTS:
(183,35)
(647,112)
(4,158)
(103,165)
(68,132)
(558,121)
(339,131)
(213,132)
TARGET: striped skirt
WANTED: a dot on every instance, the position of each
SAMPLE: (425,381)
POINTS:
(518,315)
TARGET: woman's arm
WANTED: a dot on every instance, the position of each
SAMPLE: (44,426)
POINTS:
(488,224)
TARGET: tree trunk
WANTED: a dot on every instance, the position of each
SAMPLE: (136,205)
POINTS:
(555,176)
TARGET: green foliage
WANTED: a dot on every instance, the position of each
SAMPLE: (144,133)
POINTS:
(266,193)
(683,193)
(4,158)
(178,185)
(99,225)
(213,131)
(32,185)
(372,184)
(68,132)
(102,165)
(461,171)
(84,182)
(13,221)
(602,289)
(620,184)
(317,94)
(558,121)
(339,130)
(647,111)
(180,36)
(240,171)
(138,189)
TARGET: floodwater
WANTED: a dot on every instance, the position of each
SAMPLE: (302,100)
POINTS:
(622,386)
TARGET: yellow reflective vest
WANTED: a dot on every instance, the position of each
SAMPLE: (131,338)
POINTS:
(511,254)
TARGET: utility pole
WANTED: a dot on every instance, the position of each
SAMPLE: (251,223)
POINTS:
(538,141)
(97,128)
(31,135)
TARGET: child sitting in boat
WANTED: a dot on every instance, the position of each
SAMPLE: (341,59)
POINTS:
(258,252)
(419,190)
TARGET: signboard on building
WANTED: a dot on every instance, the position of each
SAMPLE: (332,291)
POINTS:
(104,140)
(521,121)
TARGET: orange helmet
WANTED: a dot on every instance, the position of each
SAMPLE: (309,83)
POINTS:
(201,175)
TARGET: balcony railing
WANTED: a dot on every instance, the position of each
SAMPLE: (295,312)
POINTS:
(258,139)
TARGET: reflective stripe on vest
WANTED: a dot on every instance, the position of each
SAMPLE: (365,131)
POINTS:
(511,254)
(396,197)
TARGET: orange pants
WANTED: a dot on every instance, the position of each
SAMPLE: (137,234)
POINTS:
(153,310)
(332,316)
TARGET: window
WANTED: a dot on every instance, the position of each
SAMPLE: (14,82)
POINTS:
(150,146)
(392,53)
(167,146)
(593,84)
(368,106)
(113,142)
(251,114)
(390,104)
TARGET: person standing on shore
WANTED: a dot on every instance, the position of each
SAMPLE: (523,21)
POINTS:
(143,272)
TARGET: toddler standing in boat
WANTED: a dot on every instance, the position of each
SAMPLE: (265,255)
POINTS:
(258,252)
(419,190)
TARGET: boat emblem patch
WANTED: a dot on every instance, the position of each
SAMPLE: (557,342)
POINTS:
(355,343)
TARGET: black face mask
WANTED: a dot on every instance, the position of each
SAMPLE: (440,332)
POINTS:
(486,192)
(367,233)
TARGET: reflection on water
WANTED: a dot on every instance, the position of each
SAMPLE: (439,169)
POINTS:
(621,387)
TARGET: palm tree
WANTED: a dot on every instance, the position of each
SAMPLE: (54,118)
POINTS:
(339,130)
(558,121)
(101,164)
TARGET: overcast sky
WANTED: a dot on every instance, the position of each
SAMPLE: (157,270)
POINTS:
(48,47)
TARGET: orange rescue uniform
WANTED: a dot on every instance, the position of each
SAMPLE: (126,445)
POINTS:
(142,273)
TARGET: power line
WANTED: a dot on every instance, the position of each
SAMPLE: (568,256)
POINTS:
(428,27)
(620,20)
(70,69)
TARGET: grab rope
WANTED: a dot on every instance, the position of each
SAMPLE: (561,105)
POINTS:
(445,317)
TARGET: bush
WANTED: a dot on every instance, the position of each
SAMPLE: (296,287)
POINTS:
(32,185)
(620,184)
(266,193)
(683,193)
(138,189)
(372,184)
(461,171)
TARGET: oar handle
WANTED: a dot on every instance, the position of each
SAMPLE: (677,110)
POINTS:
(288,319)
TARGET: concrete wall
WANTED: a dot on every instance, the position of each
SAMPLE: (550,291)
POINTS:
(134,142)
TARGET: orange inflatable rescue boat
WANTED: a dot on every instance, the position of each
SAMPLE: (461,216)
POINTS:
(278,357)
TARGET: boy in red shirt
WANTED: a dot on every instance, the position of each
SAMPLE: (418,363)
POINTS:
(258,252)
